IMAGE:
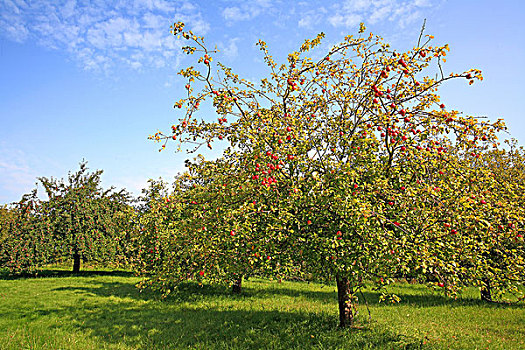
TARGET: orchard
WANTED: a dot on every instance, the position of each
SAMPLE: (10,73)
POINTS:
(348,168)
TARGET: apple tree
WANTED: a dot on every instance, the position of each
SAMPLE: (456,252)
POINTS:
(342,167)
(205,229)
(490,213)
(26,242)
(7,214)
(83,216)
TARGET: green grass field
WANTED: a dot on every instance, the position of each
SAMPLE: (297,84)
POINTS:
(104,310)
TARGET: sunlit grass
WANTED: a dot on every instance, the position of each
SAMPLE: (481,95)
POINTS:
(104,310)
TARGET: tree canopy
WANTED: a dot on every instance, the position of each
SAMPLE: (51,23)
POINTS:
(348,167)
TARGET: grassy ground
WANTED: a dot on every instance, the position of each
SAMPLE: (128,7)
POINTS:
(103,310)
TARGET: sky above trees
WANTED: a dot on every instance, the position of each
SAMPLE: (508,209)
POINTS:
(92,81)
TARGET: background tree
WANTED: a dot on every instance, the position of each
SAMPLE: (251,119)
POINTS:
(350,155)
(26,242)
(492,215)
(83,216)
(7,214)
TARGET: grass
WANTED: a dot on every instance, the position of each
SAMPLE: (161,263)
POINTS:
(104,310)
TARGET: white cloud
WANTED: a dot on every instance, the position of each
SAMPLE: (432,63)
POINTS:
(351,12)
(346,20)
(247,10)
(15,173)
(309,18)
(305,22)
(380,14)
(231,50)
(100,35)
(68,10)
(235,14)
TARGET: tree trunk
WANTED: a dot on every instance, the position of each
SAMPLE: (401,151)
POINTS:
(486,294)
(347,302)
(76,262)
(237,286)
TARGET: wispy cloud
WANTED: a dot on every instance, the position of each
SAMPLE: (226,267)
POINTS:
(102,34)
(15,174)
(350,13)
(230,50)
(246,10)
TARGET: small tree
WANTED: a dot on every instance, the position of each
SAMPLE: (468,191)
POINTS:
(82,216)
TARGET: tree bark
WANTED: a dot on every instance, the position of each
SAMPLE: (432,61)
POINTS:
(237,285)
(347,302)
(486,294)
(76,262)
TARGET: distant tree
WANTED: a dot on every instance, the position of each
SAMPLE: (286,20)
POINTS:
(179,228)
(492,215)
(149,223)
(84,217)
(26,241)
(6,217)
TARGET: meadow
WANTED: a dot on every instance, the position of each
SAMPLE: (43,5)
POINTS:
(104,310)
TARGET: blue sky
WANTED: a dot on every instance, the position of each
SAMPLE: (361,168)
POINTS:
(92,79)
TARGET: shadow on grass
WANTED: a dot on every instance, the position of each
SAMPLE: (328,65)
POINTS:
(420,296)
(46,273)
(210,324)
(193,292)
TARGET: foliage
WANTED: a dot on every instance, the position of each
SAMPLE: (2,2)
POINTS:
(79,221)
(347,167)
(26,242)
(84,216)
(6,215)
(497,260)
